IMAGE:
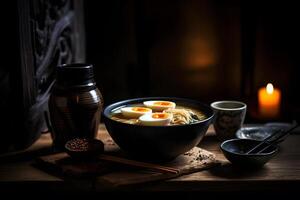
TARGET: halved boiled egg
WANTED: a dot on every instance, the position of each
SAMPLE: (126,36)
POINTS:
(135,112)
(156,119)
(159,105)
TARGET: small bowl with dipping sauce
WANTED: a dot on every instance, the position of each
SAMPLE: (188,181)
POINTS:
(235,151)
(83,148)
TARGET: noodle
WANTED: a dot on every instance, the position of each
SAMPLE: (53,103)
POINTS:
(118,117)
(182,116)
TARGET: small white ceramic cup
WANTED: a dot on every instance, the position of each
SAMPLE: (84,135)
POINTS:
(229,117)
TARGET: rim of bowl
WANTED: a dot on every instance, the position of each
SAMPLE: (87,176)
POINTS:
(107,110)
(251,154)
(214,105)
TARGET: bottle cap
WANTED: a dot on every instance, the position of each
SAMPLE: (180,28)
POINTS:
(75,74)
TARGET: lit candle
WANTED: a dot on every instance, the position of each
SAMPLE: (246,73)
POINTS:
(269,101)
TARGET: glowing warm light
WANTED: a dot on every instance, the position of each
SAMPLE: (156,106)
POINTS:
(199,52)
(269,101)
(270,88)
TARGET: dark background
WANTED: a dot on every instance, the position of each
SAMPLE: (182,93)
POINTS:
(206,50)
(201,49)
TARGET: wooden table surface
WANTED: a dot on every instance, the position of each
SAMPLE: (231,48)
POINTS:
(282,173)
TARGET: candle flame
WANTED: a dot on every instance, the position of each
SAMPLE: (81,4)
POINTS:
(270,88)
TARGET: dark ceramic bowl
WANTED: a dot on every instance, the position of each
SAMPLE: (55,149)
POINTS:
(157,142)
(234,150)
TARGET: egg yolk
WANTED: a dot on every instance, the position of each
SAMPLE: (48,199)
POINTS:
(161,103)
(139,109)
(160,116)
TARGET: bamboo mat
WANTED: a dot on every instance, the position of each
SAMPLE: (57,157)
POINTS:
(61,164)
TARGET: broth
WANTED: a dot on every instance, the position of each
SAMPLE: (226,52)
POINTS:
(181,115)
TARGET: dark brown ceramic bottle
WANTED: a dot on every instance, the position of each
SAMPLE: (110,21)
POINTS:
(75,104)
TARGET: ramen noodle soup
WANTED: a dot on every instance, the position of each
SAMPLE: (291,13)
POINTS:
(157,113)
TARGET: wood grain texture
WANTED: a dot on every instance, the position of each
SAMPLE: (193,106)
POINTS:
(281,174)
(42,34)
(116,174)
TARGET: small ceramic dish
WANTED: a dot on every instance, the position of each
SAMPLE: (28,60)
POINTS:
(83,148)
(235,151)
(278,125)
(258,133)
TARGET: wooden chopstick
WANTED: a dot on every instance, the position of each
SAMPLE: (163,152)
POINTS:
(154,167)
(274,141)
(263,142)
(277,140)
